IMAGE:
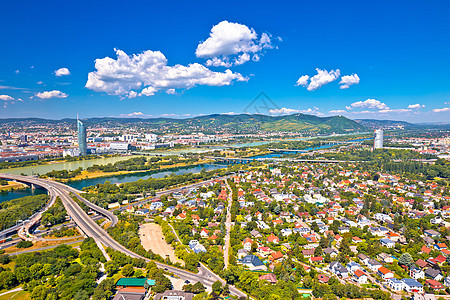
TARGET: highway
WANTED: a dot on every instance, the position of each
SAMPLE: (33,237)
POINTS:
(92,229)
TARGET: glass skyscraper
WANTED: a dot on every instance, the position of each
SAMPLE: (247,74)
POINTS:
(82,139)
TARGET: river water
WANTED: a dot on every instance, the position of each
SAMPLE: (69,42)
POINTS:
(113,179)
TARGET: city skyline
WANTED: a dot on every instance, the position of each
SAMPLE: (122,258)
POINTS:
(353,59)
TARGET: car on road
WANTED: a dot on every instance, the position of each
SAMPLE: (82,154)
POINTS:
(187,281)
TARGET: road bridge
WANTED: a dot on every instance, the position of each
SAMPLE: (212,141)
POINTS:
(91,229)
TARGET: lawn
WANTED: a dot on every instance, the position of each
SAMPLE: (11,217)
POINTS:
(20,295)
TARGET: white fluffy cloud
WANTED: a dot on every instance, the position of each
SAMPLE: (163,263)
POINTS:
(320,79)
(232,44)
(303,81)
(148,72)
(415,106)
(6,98)
(287,111)
(62,72)
(337,111)
(438,110)
(368,104)
(348,80)
(283,111)
(51,94)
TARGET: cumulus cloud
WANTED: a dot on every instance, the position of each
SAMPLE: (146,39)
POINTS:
(320,79)
(348,80)
(148,73)
(283,111)
(287,111)
(6,98)
(368,104)
(233,44)
(439,110)
(62,72)
(337,111)
(415,106)
(303,81)
(396,110)
(230,113)
(51,94)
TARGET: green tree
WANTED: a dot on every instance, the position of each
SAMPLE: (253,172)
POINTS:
(81,295)
(405,259)
(198,288)
(128,270)
(217,287)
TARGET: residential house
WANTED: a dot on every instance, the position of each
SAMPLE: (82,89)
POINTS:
(395,284)
(242,253)
(338,269)
(433,284)
(432,233)
(385,273)
(273,239)
(353,266)
(264,251)
(332,252)
(447,281)
(412,286)
(308,252)
(204,233)
(255,233)
(363,258)
(316,259)
(247,243)
(196,246)
(253,263)
(385,258)
(416,273)
(276,257)
(269,277)
(387,243)
(373,265)
(360,277)
(433,274)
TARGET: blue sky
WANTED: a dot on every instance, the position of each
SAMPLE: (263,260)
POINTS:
(363,59)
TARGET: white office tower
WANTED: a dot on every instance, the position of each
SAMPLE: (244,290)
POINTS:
(378,142)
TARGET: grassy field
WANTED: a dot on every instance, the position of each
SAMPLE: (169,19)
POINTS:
(13,186)
(20,295)
(39,244)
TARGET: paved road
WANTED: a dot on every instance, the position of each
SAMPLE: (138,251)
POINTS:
(12,291)
(92,229)
(226,251)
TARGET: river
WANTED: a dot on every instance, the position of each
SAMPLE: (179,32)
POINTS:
(70,166)
(114,179)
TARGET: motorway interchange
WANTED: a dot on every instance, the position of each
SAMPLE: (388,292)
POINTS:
(91,229)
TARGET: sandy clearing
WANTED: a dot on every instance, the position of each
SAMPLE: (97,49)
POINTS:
(152,238)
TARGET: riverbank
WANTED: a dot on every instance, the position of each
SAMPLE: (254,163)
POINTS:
(13,186)
(50,161)
(86,175)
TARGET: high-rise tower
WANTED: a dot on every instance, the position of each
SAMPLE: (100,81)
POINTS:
(378,141)
(82,140)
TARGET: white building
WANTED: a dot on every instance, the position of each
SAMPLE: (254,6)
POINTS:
(378,141)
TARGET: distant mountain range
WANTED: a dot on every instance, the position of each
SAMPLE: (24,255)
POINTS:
(222,123)
(243,123)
